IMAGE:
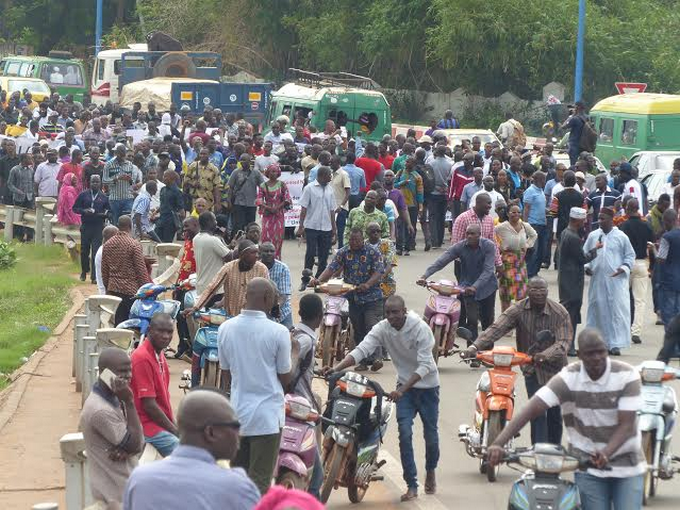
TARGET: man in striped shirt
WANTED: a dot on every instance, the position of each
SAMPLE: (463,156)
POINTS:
(599,398)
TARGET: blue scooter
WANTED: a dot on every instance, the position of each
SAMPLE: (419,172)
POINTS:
(147,305)
(204,359)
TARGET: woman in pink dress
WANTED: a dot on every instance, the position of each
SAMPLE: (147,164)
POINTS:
(67,197)
(272,200)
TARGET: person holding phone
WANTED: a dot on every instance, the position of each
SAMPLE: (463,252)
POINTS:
(111,428)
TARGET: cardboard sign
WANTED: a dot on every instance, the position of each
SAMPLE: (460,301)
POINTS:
(295,183)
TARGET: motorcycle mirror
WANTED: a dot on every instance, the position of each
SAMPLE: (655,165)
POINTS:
(464,333)
(544,336)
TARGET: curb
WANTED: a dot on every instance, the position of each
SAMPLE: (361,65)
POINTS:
(11,397)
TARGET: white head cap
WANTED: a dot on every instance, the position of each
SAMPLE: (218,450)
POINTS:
(578,213)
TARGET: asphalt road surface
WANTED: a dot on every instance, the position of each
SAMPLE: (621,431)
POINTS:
(460,485)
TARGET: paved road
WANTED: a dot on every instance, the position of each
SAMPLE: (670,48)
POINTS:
(459,483)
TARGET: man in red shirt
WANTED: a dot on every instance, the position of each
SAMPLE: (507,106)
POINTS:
(370,165)
(386,159)
(187,267)
(151,386)
(74,167)
(461,176)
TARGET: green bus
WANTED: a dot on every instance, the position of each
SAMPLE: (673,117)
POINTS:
(59,70)
(350,107)
(630,123)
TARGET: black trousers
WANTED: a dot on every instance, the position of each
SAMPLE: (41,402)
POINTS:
(241,216)
(437,209)
(472,312)
(165,229)
(547,428)
(90,241)
(574,310)
(318,245)
(123,310)
(364,317)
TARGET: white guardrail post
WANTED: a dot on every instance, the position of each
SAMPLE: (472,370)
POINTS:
(100,310)
(40,211)
(90,346)
(9,223)
(112,337)
(78,494)
(47,219)
(45,506)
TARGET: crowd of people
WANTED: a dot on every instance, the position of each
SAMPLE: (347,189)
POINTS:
(213,182)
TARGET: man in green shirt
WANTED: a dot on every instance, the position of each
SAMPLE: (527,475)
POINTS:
(360,217)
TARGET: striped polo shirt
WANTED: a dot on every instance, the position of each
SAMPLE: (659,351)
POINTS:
(590,412)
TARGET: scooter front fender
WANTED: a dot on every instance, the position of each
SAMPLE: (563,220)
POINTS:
(439,319)
(649,422)
(292,462)
(499,403)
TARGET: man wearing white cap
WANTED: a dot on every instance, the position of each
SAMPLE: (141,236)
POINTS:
(570,267)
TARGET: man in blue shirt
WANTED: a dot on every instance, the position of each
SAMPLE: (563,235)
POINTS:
(575,125)
(534,214)
(209,431)
(255,359)
(279,274)
(357,180)
(448,122)
(362,266)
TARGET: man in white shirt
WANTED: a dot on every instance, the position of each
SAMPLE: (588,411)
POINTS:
(277,138)
(108,232)
(255,357)
(507,129)
(266,158)
(210,253)
(152,175)
(487,187)
(631,187)
(45,178)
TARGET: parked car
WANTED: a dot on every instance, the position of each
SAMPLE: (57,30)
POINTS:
(651,161)
(59,70)
(656,181)
(456,136)
(38,88)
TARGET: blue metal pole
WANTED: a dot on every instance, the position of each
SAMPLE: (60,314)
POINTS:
(578,75)
(98,28)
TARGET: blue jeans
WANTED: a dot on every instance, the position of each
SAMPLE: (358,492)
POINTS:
(340,222)
(609,493)
(426,403)
(317,476)
(287,321)
(164,442)
(119,208)
(547,428)
(541,246)
(669,305)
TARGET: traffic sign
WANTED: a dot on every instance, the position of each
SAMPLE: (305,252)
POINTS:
(630,87)
(254,106)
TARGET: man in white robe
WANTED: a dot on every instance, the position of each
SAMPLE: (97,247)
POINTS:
(608,295)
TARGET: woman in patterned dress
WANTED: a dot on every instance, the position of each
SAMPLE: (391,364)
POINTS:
(515,237)
(272,200)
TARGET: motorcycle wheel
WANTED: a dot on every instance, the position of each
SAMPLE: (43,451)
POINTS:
(291,480)
(211,374)
(356,493)
(649,487)
(328,342)
(439,340)
(331,470)
(495,424)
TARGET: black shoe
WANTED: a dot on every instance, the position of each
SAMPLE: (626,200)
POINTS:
(428,246)
(475,364)
(83,275)
(399,252)
(93,281)
(615,351)
(303,287)
(407,254)
(572,353)
(636,339)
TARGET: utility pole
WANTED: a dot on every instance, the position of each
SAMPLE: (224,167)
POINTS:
(98,29)
(578,75)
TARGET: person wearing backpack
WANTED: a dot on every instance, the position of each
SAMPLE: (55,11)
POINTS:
(304,339)
(511,132)
(578,126)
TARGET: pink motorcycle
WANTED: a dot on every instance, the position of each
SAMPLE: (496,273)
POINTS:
(297,450)
(442,313)
(335,333)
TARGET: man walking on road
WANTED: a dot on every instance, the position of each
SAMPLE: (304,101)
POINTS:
(534,215)
(528,317)
(409,342)
(93,207)
(641,236)
(123,267)
(608,297)
(600,398)
(668,278)
(255,360)
(570,271)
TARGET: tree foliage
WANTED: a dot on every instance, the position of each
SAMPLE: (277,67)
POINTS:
(516,45)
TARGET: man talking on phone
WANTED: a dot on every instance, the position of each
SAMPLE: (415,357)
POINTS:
(111,428)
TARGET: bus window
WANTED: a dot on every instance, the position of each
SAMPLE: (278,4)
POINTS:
(368,122)
(301,112)
(100,69)
(629,132)
(272,112)
(339,117)
(12,69)
(606,130)
(286,110)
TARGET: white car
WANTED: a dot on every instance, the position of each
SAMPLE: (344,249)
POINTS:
(647,162)
(456,136)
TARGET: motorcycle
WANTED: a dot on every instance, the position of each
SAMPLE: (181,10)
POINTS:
(297,451)
(190,297)
(147,305)
(541,486)
(494,402)
(655,422)
(205,361)
(355,419)
(442,312)
(335,331)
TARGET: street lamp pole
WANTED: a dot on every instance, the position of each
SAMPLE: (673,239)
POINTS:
(98,28)
(578,75)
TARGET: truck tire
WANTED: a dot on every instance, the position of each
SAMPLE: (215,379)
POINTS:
(174,65)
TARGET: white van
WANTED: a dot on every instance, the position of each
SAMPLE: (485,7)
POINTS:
(105,74)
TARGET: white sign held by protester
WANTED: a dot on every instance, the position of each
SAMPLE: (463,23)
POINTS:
(295,182)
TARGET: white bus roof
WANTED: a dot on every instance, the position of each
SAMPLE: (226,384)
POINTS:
(118,52)
(315,94)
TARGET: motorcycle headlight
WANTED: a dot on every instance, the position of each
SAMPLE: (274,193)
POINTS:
(298,411)
(652,375)
(548,463)
(503,360)
(484,384)
(356,389)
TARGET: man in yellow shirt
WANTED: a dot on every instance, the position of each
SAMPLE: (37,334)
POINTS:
(18,129)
